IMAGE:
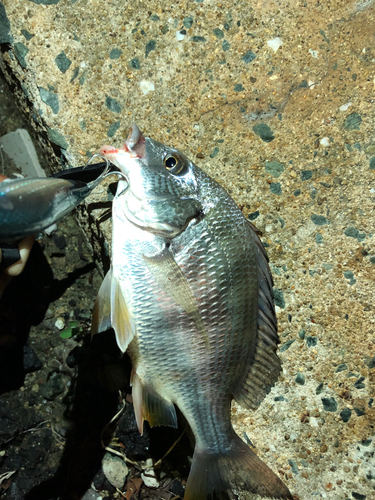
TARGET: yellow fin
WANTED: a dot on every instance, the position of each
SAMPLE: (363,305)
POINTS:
(122,321)
(151,406)
(169,276)
(101,313)
(137,400)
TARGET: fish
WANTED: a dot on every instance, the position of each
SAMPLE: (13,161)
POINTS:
(30,205)
(189,296)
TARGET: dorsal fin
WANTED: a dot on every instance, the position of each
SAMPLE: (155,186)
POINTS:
(264,365)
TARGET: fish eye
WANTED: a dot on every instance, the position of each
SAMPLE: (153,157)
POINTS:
(175,164)
(170,162)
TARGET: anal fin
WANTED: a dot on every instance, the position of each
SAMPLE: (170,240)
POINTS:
(150,406)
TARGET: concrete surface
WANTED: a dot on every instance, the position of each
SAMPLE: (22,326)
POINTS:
(275,100)
(19,147)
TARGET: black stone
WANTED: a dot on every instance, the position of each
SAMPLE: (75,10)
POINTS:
(112,104)
(60,241)
(275,188)
(115,54)
(219,33)
(31,362)
(238,87)
(300,379)
(264,132)
(358,496)
(341,367)
(366,442)
(57,138)
(359,383)
(346,414)
(135,64)
(176,488)
(353,122)
(136,445)
(320,388)
(75,357)
(63,62)
(311,341)
(352,232)
(198,39)
(101,482)
(215,152)
(287,344)
(253,215)
(27,35)
(188,22)
(279,398)
(274,168)
(113,128)
(50,98)
(359,411)
(248,57)
(20,51)
(225,46)
(278,297)
(319,220)
(319,239)
(329,404)
(151,45)
(306,175)
(53,387)
(74,76)
(5,36)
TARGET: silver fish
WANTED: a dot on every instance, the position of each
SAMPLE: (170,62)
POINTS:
(30,205)
(189,295)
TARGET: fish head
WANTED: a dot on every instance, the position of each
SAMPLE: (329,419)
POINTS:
(161,192)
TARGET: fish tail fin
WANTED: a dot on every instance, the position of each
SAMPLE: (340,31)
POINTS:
(235,475)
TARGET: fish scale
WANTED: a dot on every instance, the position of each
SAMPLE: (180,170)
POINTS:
(190,295)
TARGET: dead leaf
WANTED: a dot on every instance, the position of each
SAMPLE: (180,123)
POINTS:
(5,480)
(132,487)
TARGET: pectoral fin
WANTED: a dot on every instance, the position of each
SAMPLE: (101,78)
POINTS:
(171,279)
(122,321)
(111,311)
(101,314)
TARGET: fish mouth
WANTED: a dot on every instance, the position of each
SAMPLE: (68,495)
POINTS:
(133,148)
